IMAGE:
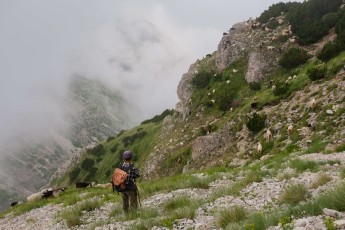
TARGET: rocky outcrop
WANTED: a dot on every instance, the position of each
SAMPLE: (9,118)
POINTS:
(184,90)
(231,46)
(257,65)
(211,145)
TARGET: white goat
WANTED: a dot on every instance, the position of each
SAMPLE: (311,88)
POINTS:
(289,130)
(234,70)
(268,135)
(313,103)
(34,197)
(108,185)
(259,148)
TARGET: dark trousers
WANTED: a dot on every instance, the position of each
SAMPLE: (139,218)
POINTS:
(129,200)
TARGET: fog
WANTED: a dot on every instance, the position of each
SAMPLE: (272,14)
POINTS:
(140,48)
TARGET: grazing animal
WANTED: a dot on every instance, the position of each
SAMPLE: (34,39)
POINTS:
(34,197)
(273,87)
(259,148)
(254,105)
(81,184)
(234,70)
(289,130)
(313,103)
(268,135)
(108,185)
(228,82)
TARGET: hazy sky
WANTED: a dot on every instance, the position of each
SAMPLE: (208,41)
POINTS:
(140,47)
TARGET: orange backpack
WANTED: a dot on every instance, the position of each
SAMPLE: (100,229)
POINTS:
(118,180)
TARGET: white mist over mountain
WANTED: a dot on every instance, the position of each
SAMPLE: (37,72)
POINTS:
(139,48)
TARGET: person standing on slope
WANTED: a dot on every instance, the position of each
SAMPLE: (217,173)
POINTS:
(130,194)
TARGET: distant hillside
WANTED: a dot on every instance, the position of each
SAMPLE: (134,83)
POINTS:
(94,112)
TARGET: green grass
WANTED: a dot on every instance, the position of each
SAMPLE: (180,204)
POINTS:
(302,165)
(176,203)
(72,215)
(342,172)
(231,215)
(322,179)
(294,194)
(316,146)
(340,148)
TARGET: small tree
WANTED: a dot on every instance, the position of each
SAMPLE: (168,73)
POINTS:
(317,72)
(256,123)
(293,58)
(74,174)
(87,164)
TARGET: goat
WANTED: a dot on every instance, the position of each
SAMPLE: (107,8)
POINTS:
(234,70)
(108,185)
(259,148)
(289,130)
(313,103)
(268,135)
(228,82)
(274,88)
(80,184)
(35,197)
(270,48)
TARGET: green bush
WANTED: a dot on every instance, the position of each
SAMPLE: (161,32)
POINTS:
(129,140)
(317,72)
(87,163)
(273,24)
(256,123)
(224,97)
(281,89)
(293,58)
(329,51)
(202,79)
(256,86)
(114,148)
(160,117)
(74,174)
(97,150)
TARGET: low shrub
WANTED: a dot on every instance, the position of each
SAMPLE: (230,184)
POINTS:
(329,51)
(293,58)
(129,140)
(98,150)
(317,72)
(256,86)
(87,163)
(202,79)
(321,180)
(158,118)
(256,123)
(281,89)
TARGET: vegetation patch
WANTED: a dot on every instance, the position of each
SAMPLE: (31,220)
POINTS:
(302,165)
(294,194)
(232,215)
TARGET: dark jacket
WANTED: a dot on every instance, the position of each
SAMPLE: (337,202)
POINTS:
(133,173)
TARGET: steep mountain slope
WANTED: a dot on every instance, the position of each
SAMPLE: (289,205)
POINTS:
(201,165)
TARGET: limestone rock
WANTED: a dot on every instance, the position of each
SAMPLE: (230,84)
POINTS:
(257,65)
(231,46)
(184,89)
